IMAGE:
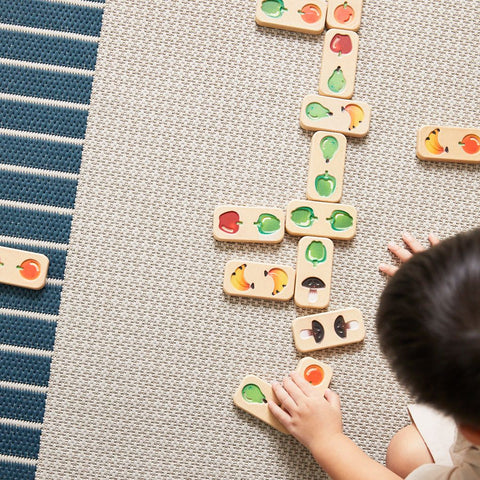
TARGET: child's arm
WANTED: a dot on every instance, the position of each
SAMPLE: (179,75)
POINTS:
(316,422)
(403,254)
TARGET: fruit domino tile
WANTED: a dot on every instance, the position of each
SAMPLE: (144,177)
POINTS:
(329,329)
(314,272)
(259,280)
(320,219)
(345,116)
(248,224)
(344,14)
(22,268)
(252,396)
(449,144)
(317,373)
(326,167)
(339,63)
(299,16)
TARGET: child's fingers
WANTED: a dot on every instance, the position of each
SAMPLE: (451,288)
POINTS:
(433,239)
(402,253)
(281,415)
(412,243)
(293,390)
(389,270)
(305,387)
(332,398)
(286,401)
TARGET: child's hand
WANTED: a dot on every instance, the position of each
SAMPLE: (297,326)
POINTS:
(403,254)
(313,419)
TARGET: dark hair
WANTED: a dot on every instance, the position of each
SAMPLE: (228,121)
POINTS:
(428,323)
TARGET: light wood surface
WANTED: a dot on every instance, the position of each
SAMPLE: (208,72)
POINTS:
(349,20)
(448,144)
(350,117)
(322,215)
(233,223)
(22,268)
(302,329)
(339,58)
(313,279)
(322,168)
(294,15)
(259,280)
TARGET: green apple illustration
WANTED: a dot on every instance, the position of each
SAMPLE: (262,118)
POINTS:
(325,184)
(340,220)
(273,8)
(316,253)
(316,111)
(267,223)
(252,393)
(303,216)
(328,146)
(336,83)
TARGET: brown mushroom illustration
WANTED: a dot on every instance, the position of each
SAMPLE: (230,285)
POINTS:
(340,327)
(317,331)
(313,283)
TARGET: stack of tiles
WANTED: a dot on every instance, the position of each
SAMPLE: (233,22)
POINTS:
(320,219)
(48,52)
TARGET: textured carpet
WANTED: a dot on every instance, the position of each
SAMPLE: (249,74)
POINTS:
(48,51)
(192,107)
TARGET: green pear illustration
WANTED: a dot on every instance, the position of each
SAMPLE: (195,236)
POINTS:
(252,393)
(340,220)
(303,216)
(273,8)
(336,83)
(328,146)
(316,111)
(316,253)
(325,184)
(267,223)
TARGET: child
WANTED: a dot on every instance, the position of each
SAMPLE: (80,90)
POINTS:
(428,324)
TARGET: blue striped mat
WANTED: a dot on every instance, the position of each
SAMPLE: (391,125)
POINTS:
(48,51)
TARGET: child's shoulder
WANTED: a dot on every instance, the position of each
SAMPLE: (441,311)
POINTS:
(466,464)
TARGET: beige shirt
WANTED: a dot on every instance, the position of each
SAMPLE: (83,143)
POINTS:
(466,464)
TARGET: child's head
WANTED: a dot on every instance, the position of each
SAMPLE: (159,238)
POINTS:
(428,323)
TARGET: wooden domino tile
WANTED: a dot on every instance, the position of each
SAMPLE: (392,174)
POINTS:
(314,272)
(297,15)
(317,373)
(327,162)
(252,396)
(339,63)
(349,117)
(329,329)
(248,224)
(449,144)
(321,219)
(344,14)
(259,280)
(22,268)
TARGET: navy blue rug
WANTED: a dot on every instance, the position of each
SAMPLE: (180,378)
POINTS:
(48,52)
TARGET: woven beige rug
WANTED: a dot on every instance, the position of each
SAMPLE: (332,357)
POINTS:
(194,105)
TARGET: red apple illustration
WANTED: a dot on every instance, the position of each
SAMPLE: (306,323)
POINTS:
(229,222)
(341,44)
(310,13)
(470,144)
(343,13)
(29,269)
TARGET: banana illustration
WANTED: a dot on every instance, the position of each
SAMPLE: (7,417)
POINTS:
(432,143)
(238,279)
(356,115)
(280,279)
